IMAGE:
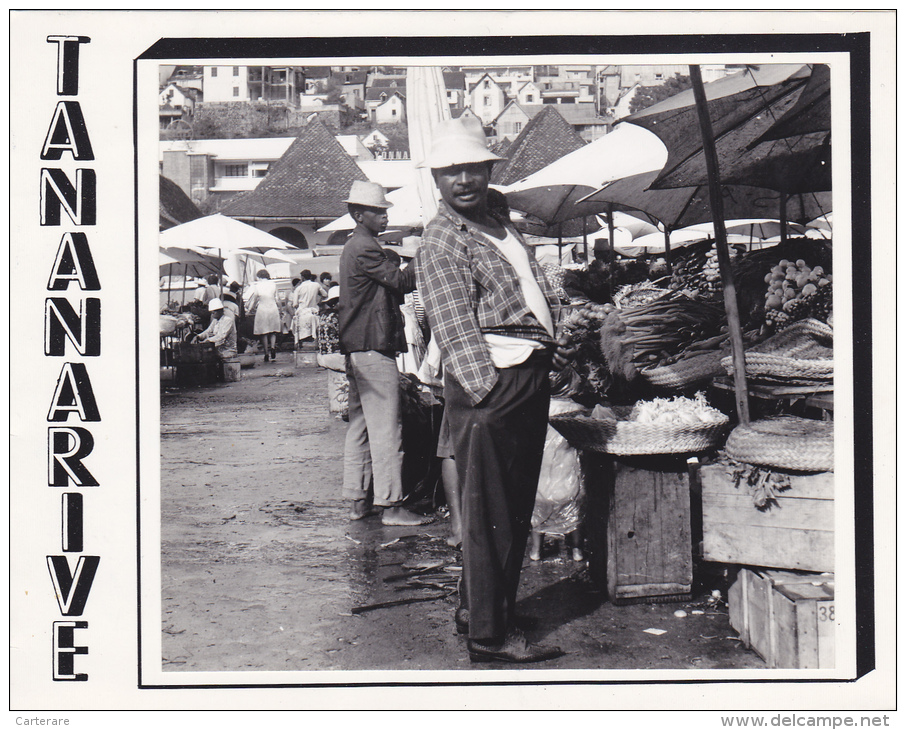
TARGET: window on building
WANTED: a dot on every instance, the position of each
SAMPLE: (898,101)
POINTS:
(487,84)
(235,70)
(235,91)
(213,72)
(517,127)
(236,170)
(529,98)
(259,172)
(487,101)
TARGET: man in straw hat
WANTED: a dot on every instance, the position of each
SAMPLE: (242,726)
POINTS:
(371,335)
(490,308)
(221,331)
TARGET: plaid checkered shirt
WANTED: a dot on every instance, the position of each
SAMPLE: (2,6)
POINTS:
(469,289)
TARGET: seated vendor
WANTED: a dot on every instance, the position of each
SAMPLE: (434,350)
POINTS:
(221,332)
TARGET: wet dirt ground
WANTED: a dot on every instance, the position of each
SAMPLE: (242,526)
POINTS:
(262,570)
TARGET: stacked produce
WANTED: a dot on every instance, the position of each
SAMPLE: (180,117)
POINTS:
(697,269)
(588,371)
(638,337)
(795,292)
(753,270)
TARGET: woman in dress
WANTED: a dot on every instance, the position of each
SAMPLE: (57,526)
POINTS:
(263,299)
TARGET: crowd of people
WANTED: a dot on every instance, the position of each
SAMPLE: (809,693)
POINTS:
(473,317)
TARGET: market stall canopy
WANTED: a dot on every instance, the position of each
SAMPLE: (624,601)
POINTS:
(219,233)
(654,242)
(682,207)
(188,262)
(771,129)
(554,193)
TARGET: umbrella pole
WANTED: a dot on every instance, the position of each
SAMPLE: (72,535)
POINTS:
(611,230)
(783,231)
(584,237)
(723,252)
(559,243)
(667,254)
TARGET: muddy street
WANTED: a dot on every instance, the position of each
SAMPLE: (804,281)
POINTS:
(262,570)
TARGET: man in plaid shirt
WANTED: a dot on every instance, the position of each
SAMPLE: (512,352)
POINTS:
(491,311)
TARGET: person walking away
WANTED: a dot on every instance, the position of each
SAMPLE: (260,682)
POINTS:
(306,300)
(371,335)
(492,312)
(262,300)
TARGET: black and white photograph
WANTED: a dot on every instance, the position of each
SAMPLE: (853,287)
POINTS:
(433,363)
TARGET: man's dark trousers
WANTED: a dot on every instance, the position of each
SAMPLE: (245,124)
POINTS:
(498,446)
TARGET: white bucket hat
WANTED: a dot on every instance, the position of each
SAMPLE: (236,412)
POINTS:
(458,142)
(214,305)
(333,293)
(369,194)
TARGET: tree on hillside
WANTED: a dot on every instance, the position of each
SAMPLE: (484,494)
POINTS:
(647,96)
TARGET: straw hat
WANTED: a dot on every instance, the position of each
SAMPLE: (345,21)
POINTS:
(214,305)
(369,194)
(458,142)
(333,293)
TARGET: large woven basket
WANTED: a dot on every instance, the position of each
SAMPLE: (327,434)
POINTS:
(687,371)
(784,442)
(631,438)
(801,353)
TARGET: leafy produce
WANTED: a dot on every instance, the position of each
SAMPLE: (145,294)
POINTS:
(697,269)
(764,484)
(632,295)
(792,292)
(635,338)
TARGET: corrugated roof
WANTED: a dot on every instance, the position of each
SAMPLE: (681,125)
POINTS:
(546,138)
(175,206)
(311,180)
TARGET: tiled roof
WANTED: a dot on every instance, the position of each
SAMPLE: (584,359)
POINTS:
(454,80)
(310,180)
(374,93)
(582,113)
(502,147)
(546,138)
(175,206)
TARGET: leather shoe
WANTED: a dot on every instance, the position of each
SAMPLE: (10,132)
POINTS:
(515,648)
(461,619)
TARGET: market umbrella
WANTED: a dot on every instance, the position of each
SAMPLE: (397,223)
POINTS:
(426,106)
(557,193)
(677,208)
(771,129)
(219,233)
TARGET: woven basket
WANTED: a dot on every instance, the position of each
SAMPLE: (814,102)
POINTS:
(784,442)
(687,371)
(630,438)
(802,352)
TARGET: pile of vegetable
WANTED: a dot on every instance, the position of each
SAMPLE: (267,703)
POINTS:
(638,337)
(587,375)
(665,411)
(676,410)
(632,295)
(696,269)
(795,292)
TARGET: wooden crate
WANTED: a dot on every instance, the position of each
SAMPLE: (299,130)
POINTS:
(797,533)
(786,617)
(638,531)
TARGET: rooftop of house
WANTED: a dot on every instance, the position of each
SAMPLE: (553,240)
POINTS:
(311,180)
(546,138)
(175,206)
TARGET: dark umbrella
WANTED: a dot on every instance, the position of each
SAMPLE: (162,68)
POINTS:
(771,128)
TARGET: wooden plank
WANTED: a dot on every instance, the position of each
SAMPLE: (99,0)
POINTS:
(717,479)
(732,509)
(772,547)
